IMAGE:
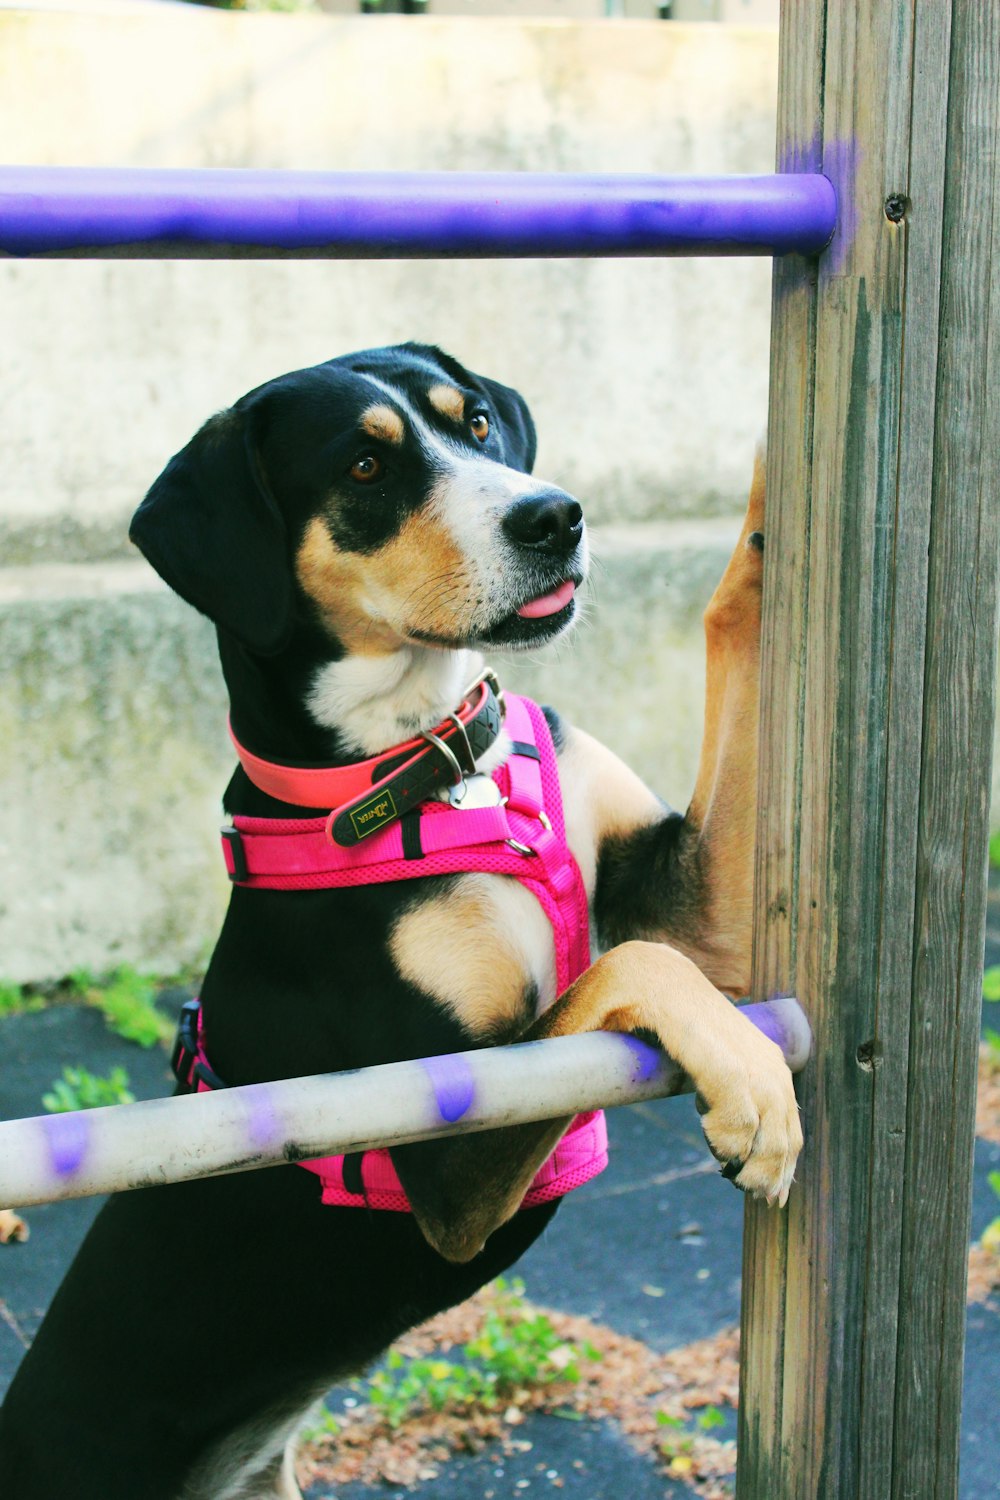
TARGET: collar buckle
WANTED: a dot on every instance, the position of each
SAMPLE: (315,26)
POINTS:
(492,681)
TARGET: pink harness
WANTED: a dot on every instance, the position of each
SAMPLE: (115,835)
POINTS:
(523,836)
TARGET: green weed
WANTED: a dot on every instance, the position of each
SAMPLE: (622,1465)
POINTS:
(990,1238)
(995,850)
(16,1000)
(992,1040)
(991,983)
(78,1089)
(515,1348)
(320,1423)
(678,1450)
(126,1002)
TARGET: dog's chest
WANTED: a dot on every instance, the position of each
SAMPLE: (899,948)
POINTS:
(484,946)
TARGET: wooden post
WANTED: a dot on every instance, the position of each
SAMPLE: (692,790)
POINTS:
(880,628)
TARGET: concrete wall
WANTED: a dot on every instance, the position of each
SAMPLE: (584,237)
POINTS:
(648,380)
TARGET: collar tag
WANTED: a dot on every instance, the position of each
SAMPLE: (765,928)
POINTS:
(475,792)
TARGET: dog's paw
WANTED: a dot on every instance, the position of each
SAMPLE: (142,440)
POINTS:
(12,1227)
(751,1120)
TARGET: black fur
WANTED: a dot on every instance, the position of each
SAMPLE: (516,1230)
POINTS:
(194,1309)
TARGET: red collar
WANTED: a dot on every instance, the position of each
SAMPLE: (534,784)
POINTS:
(411,771)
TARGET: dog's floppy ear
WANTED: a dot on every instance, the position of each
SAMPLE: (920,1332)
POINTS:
(212,530)
(520,444)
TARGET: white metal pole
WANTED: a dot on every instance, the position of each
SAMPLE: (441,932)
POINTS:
(51,1157)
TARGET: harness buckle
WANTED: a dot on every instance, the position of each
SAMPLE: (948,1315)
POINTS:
(187,1066)
(234,839)
(185,1049)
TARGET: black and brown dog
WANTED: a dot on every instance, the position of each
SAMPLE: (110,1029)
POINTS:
(358,532)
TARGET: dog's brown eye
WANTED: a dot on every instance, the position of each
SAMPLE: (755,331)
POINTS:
(480,426)
(366,469)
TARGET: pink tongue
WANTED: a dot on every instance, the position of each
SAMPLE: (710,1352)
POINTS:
(548,604)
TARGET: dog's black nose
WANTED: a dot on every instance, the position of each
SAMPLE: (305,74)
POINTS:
(550,521)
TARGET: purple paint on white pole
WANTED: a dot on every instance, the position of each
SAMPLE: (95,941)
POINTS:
(264,1125)
(67,1137)
(767,1021)
(782,1021)
(453,1084)
(645,1059)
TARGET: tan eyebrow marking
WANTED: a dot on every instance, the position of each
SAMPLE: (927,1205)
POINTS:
(381,421)
(448,401)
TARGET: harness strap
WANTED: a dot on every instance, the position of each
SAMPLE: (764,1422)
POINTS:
(369,795)
(369,1179)
(581,1154)
(523,837)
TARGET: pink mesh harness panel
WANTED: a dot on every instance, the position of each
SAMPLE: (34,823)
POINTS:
(523,837)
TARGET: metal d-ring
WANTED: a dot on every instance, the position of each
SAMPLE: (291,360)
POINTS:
(448,753)
(464,737)
(521,848)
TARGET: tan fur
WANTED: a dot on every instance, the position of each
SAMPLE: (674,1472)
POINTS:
(751,1116)
(419,581)
(601,797)
(380,421)
(724,803)
(12,1227)
(604,798)
(448,401)
(751,1113)
(475,949)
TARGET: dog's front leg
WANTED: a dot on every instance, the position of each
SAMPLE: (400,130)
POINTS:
(674,894)
(688,880)
(462,1189)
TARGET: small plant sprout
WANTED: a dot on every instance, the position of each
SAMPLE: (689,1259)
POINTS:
(679,1448)
(995,850)
(78,1089)
(990,1237)
(15,1000)
(711,1417)
(991,983)
(319,1423)
(515,1349)
(126,1002)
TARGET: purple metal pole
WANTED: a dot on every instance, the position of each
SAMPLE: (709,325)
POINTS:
(130,211)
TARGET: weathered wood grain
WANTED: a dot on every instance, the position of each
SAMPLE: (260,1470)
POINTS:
(792,377)
(879,655)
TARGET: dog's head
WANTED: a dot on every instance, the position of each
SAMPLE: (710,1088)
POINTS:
(385,497)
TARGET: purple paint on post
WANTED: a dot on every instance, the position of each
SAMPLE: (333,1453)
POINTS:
(453,1084)
(215,211)
(67,1137)
(841,160)
(645,1059)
